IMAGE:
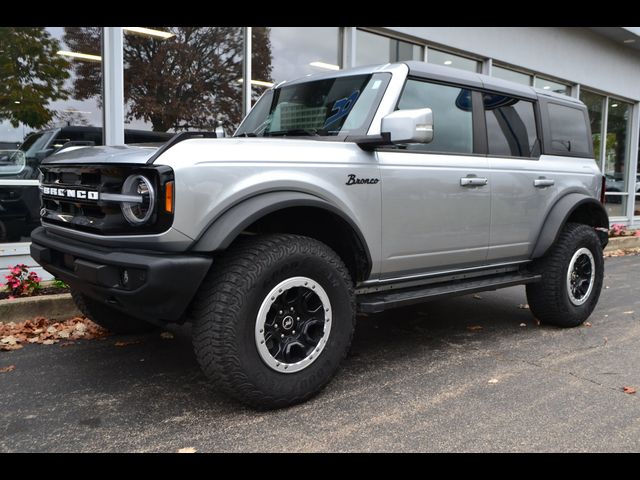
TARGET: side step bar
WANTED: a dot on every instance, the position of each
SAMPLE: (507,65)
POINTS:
(381,301)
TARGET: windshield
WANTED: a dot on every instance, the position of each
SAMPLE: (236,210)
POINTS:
(343,105)
(35,142)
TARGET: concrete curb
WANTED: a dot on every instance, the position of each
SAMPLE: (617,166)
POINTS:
(58,307)
(617,243)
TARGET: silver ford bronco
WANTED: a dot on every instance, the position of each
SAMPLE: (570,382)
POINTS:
(352,191)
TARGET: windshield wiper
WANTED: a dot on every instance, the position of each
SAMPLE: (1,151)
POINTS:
(246,134)
(294,132)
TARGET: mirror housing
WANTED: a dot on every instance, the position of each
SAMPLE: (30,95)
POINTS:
(409,126)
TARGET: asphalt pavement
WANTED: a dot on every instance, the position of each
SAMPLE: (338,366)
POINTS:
(461,374)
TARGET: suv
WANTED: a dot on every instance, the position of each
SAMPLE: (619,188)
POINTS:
(352,191)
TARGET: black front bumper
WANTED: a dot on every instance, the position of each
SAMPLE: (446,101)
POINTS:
(146,285)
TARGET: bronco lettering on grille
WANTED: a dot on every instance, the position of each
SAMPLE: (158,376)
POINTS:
(71,193)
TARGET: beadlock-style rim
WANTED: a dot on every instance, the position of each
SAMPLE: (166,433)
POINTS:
(293,324)
(581,276)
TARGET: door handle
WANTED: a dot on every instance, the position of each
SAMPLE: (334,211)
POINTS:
(543,182)
(473,181)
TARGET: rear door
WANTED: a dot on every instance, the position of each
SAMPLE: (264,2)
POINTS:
(523,182)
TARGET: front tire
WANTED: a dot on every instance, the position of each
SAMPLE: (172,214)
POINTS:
(572,275)
(273,319)
(109,318)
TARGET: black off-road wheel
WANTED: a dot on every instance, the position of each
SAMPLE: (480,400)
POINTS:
(572,275)
(109,318)
(273,319)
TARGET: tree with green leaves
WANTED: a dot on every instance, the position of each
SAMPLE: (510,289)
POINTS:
(186,82)
(32,75)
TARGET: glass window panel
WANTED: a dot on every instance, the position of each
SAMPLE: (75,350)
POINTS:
(617,145)
(511,75)
(568,130)
(616,205)
(595,105)
(616,154)
(188,81)
(451,106)
(45,110)
(293,52)
(449,59)
(550,85)
(372,49)
(511,126)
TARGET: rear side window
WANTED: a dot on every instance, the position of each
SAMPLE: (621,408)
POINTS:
(452,117)
(568,130)
(511,126)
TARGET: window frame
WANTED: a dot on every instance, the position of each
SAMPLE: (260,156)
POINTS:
(547,147)
(478,139)
(537,120)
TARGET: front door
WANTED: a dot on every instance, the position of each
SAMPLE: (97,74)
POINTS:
(436,197)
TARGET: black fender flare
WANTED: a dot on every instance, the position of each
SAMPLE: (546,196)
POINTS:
(560,213)
(227,226)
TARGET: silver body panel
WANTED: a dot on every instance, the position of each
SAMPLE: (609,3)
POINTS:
(429,221)
(417,220)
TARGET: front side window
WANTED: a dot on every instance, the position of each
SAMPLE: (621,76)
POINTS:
(452,117)
(328,107)
(511,126)
(569,132)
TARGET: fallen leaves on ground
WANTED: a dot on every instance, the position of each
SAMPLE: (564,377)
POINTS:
(166,335)
(587,324)
(622,252)
(629,390)
(126,344)
(474,328)
(524,306)
(187,450)
(8,369)
(47,332)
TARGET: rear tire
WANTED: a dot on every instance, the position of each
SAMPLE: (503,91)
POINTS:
(109,318)
(572,275)
(273,319)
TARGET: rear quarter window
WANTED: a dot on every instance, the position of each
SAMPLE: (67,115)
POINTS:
(568,131)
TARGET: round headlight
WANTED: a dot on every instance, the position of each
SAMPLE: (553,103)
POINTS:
(138,213)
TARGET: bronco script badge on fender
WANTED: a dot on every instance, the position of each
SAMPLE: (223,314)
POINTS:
(353,180)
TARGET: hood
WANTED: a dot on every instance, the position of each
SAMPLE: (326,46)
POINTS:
(127,154)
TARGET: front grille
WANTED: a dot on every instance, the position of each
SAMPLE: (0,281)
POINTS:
(99,217)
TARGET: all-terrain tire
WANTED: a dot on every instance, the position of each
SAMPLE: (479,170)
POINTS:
(109,318)
(226,312)
(551,299)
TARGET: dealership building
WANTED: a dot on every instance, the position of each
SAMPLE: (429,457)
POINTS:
(194,78)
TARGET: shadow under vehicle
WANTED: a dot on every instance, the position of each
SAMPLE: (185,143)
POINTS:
(20,198)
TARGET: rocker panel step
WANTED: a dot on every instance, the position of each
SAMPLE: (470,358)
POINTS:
(379,302)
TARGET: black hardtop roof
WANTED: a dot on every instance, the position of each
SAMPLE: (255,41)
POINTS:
(478,80)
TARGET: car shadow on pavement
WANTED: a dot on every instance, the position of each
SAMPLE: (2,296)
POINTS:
(136,368)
